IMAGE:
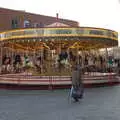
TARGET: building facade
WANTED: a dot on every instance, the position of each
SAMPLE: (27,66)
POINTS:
(13,19)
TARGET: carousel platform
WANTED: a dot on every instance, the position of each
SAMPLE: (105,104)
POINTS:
(32,82)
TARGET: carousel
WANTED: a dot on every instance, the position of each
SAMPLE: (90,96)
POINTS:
(37,57)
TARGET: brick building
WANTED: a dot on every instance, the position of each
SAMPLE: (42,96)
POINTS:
(13,19)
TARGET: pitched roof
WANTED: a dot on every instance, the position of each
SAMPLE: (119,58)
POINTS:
(57,24)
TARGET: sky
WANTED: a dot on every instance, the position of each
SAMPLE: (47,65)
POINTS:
(91,13)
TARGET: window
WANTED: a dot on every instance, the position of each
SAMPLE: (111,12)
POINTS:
(27,24)
(41,25)
(14,23)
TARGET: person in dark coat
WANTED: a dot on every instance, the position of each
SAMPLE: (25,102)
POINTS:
(77,83)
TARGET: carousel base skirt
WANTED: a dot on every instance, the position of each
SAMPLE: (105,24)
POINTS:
(30,82)
(52,87)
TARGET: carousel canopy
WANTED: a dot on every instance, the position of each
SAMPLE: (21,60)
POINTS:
(57,24)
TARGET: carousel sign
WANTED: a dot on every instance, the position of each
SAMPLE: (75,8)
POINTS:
(42,32)
(64,31)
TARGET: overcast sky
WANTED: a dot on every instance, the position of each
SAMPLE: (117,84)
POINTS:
(92,13)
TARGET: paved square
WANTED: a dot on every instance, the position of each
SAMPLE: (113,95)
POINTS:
(98,104)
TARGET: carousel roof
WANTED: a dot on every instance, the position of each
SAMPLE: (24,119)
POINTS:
(57,24)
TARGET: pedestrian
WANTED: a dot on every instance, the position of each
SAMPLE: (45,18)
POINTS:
(77,89)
